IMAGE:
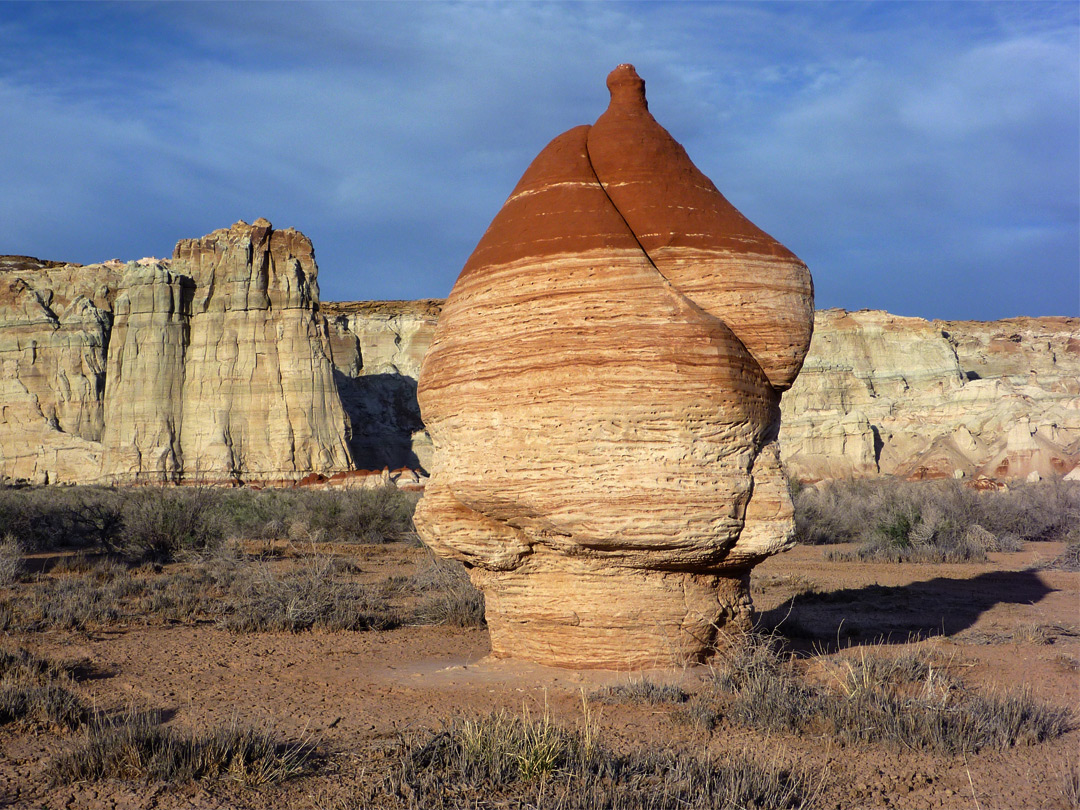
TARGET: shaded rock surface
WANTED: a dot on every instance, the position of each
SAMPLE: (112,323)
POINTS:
(602,391)
(378,347)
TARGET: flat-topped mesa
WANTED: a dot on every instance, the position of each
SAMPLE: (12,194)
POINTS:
(603,393)
(220,365)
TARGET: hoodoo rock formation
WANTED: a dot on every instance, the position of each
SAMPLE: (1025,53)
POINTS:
(603,394)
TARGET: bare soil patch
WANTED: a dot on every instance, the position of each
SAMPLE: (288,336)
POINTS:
(361,697)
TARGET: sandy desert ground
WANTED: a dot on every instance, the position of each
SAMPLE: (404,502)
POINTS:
(354,696)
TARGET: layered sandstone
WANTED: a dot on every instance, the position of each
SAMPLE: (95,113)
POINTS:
(259,396)
(215,366)
(55,321)
(603,394)
(883,394)
(378,347)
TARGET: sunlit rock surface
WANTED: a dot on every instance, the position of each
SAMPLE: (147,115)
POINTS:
(214,366)
(880,393)
(603,393)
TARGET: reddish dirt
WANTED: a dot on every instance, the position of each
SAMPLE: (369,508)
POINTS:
(999,625)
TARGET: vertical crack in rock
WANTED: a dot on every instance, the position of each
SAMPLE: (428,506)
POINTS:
(605,454)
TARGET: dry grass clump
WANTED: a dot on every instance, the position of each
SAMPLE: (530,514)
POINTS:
(239,595)
(135,747)
(11,560)
(447,595)
(1068,560)
(639,690)
(315,595)
(505,761)
(934,521)
(905,701)
(37,691)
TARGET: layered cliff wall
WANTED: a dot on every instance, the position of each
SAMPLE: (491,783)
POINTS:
(215,365)
(880,393)
(377,348)
(221,363)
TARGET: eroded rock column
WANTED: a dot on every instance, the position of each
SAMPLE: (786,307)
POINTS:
(603,393)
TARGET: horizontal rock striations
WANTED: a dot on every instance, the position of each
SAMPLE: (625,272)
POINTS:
(880,393)
(602,391)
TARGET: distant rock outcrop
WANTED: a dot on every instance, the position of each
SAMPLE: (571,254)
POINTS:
(378,346)
(883,394)
(96,365)
(54,336)
(213,366)
(603,392)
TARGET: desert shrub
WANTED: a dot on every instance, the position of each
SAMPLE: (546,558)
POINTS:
(11,559)
(368,515)
(933,521)
(71,603)
(904,702)
(135,747)
(315,595)
(244,597)
(447,594)
(1047,510)
(37,691)
(62,517)
(500,761)
(639,690)
(161,523)
(1068,560)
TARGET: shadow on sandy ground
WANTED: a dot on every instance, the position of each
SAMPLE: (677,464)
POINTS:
(877,614)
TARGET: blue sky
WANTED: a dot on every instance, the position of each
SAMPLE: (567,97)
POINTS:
(922,158)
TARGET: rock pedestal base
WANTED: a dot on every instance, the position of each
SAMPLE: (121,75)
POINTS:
(584,615)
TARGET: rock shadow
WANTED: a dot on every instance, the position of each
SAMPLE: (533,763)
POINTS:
(384,414)
(878,614)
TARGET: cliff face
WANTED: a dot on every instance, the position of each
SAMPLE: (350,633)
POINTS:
(880,393)
(378,346)
(54,336)
(259,397)
(96,364)
(215,365)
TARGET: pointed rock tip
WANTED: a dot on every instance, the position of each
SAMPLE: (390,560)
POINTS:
(262,222)
(626,86)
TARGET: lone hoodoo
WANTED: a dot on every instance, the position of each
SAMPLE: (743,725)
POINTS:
(603,393)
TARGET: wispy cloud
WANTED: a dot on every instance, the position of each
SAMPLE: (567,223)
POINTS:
(920,157)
